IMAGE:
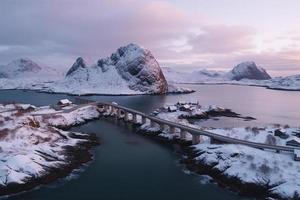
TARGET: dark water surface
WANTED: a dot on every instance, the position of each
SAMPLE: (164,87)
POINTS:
(129,166)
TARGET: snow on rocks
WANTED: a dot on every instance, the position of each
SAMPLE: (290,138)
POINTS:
(246,73)
(75,117)
(130,70)
(275,172)
(193,110)
(34,151)
(250,170)
(248,70)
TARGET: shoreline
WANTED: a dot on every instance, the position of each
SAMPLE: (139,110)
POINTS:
(98,94)
(189,153)
(77,156)
(249,85)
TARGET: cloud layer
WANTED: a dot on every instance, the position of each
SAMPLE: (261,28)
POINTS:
(56,32)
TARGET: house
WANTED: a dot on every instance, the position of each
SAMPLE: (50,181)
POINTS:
(281,133)
(185,107)
(294,142)
(64,102)
(172,108)
(26,107)
(297,155)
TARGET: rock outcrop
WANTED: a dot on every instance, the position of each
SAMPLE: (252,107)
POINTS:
(248,70)
(78,65)
(130,68)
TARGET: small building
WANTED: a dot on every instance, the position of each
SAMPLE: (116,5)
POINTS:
(185,107)
(64,102)
(181,103)
(297,155)
(26,107)
(172,108)
(281,133)
(294,142)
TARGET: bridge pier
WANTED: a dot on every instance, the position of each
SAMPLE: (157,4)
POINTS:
(152,123)
(172,130)
(119,115)
(144,120)
(126,116)
(183,134)
(101,109)
(134,118)
(162,127)
(196,139)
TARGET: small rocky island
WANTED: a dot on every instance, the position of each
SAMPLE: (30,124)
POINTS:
(35,147)
(249,171)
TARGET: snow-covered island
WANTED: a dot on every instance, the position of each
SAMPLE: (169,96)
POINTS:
(246,73)
(34,149)
(263,173)
(131,70)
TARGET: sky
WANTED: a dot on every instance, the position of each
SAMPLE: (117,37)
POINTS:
(185,35)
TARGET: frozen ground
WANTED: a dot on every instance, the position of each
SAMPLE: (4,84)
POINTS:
(31,145)
(277,172)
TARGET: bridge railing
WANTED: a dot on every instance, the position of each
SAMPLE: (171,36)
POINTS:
(198,132)
(194,131)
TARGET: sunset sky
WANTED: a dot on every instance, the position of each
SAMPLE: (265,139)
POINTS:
(186,35)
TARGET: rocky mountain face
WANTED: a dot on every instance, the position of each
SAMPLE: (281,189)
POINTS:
(248,70)
(78,65)
(130,66)
(19,67)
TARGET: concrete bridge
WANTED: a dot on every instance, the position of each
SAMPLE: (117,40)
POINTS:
(131,115)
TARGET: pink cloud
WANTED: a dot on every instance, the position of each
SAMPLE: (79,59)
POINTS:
(223,39)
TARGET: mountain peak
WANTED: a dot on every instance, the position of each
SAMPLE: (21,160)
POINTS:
(79,64)
(248,70)
(18,67)
(24,65)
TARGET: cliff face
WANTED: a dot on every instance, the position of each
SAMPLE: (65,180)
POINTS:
(130,66)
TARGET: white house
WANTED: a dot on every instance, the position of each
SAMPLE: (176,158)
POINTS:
(64,102)
(172,108)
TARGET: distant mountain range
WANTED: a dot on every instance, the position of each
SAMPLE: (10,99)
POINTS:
(130,70)
(246,73)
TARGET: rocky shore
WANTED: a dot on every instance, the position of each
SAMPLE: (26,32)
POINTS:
(34,151)
(247,171)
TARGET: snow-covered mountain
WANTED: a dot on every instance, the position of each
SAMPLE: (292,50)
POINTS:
(78,65)
(130,70)
(248,70)
(19,67)
(25,68)
(246,73)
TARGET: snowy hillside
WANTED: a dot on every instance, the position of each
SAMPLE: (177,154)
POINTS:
(19,67)
(248,70)
(35,151)
(247,73)
(130,70)
(23,73)
(25,68)
(285,83)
